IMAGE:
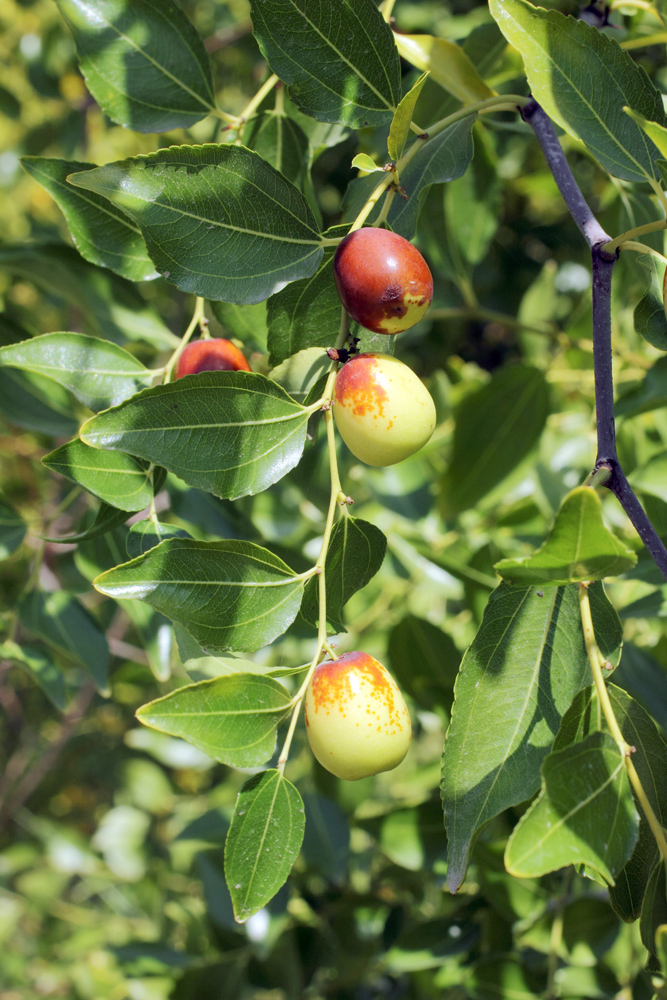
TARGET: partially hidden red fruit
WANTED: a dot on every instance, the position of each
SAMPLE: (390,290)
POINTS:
(214,355)
(383,411)
(383,281)
(356,718)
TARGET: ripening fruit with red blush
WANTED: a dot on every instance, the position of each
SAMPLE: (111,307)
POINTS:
(213,355)
(383,411)
(356,718)
(383,281)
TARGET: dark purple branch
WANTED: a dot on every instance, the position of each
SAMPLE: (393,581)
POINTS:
(603,265)
(577,205)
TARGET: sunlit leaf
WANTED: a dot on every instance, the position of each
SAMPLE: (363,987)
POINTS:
(218,221)
(263,841)
(447,63)
(116,478)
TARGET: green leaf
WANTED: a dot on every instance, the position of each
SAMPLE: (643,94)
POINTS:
(651,477)
(229,595)
(143,61)
(506,977)
(202,666)
(101,233)
(41,668)
(231,433)
(447,63)
(116,478)
(356,552)
(304,314)
(400,124)
(218,220)
(424,662)
(12,530)
(443,158)
(281,142)
(232,719)
(430,943)
(64,623)
(650,394)
(496,427)
(100,374)
(654,913)
(300,372)
(639,730)
(362,161)
(579,547)
(106,519)
(28,401)
(247,323)
(583,815)
(341,69)
(583,80)
(517,680)
(649,315)
(263,841)
(145,535)
(111,307)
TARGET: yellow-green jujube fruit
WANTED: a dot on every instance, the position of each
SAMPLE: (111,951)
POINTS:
(356,718)
(383,411)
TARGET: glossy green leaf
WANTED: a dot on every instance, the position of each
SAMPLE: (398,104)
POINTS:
(649,315)
(143,61)
(229,595)
(145,535)
(101,233)
(218,220)
(579,547)
(583,80)
(517,680)
(111,307)
(12,530)
(583,815)
(424,661)
(263,842)
(281,142)
(300,372)
(106,519)
(341,68)
(362,161)
(231,433)
(41,668)
(100,374)
(63,622)
(447,63)
(639,730)
(304,314)
(202,665)
(496,427)
(356,552)
(232,719)
(400,123)
(444,158)
(29,401)
(116,478)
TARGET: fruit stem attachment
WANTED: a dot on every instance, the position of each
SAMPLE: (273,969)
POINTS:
(198,320)
(597,662)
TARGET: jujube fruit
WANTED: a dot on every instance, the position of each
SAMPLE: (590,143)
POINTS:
(356,718)
(213,355)
(383,281)
(383,411)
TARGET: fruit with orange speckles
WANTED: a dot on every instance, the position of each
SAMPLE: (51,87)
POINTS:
(383,281)
(357,721)
(213,355)
(383,412)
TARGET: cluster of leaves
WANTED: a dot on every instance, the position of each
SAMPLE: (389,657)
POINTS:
(208,608)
